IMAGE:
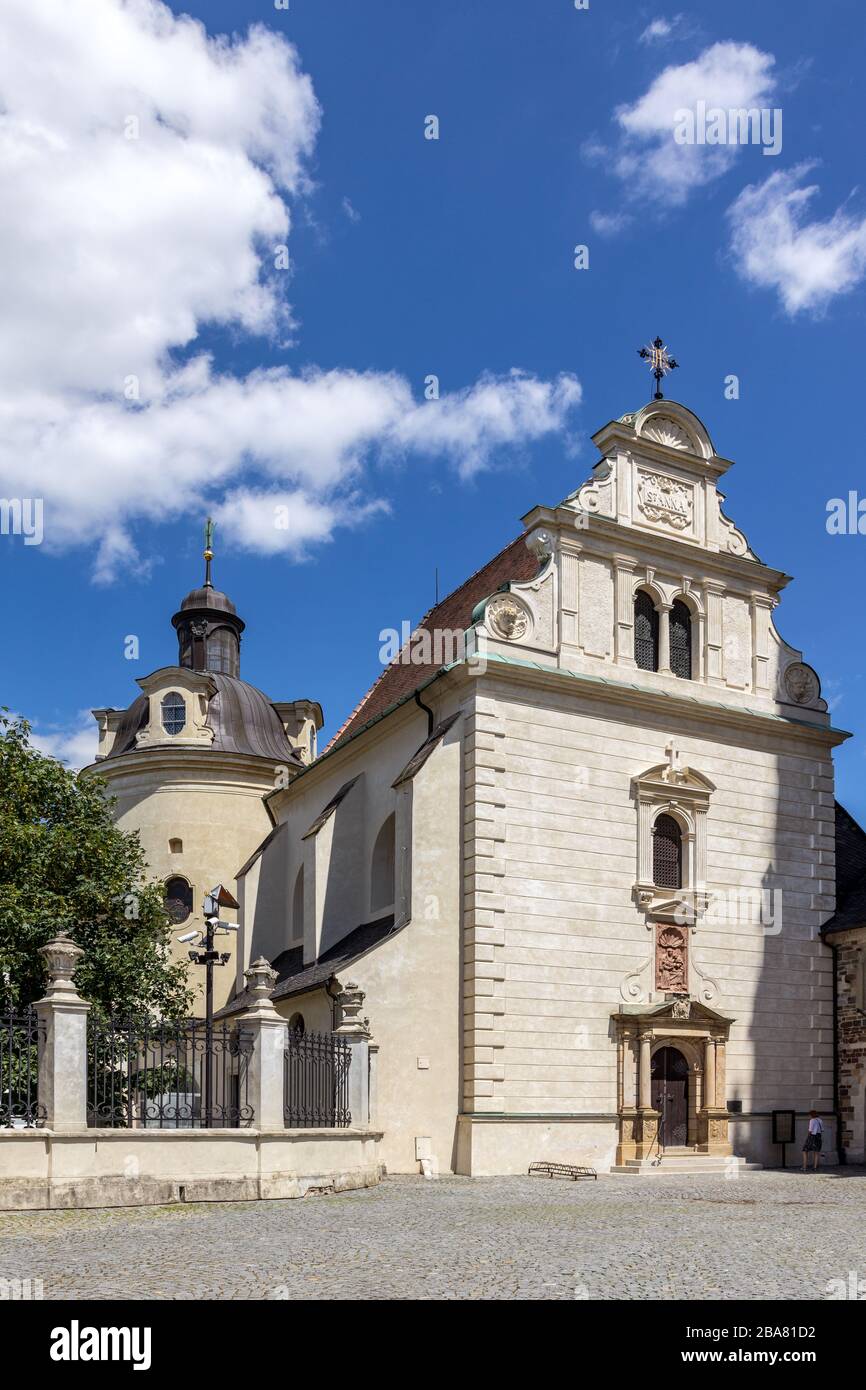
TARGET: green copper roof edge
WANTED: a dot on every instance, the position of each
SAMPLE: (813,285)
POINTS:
(498,658)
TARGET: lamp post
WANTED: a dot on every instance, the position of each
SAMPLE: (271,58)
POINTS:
(209,957)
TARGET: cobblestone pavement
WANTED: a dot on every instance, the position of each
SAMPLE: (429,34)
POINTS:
(765,1235)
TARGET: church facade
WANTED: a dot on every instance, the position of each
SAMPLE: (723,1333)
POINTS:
(579,867)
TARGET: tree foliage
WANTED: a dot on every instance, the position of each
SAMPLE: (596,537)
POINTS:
(65,866)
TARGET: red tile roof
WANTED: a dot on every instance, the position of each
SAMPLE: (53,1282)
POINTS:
(453,613)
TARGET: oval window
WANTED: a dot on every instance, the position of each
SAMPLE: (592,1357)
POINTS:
(173,712)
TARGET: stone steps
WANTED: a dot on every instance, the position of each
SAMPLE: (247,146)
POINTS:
(684,1163)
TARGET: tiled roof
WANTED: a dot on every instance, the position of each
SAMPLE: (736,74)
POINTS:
(453,613)
(293,977)
(850,874)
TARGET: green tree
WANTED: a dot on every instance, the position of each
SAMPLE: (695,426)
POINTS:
(65,866)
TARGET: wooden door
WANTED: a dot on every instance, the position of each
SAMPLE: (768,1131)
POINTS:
(670,1096)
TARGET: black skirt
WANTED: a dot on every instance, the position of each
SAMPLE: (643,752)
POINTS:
(812,1144)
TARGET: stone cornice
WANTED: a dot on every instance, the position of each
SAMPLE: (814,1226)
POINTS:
(201,764)
(663,702)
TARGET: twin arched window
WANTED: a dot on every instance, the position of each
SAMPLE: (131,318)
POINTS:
(680,628)
(646,636)
(667,853)
(646,632)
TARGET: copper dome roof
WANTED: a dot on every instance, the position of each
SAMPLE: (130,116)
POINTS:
(242,718)
(208,597)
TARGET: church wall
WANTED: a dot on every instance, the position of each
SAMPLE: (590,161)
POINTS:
(220,820)
(411,980)
(552,837)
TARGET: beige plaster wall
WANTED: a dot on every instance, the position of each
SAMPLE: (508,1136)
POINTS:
(216,810)
(412,980)
(551,923)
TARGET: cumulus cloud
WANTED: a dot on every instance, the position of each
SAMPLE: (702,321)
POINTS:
(647,157)
(74,744)
(775,247)
(150,172)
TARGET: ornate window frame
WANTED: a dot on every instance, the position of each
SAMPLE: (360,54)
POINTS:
(684,794)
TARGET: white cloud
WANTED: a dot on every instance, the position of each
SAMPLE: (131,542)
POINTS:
(730,76)
(115,252)
(75,744)
(659,29)
(774,247)
(609,223)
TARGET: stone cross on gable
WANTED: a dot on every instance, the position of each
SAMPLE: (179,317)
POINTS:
(673,753)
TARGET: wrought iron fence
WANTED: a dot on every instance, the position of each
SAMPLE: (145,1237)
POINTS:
(162,1075)
(316,1094)
(20,1034)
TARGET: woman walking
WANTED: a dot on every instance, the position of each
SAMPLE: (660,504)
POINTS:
(813,1140)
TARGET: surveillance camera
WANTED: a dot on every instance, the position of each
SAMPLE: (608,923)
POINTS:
(187,937)
(229,926)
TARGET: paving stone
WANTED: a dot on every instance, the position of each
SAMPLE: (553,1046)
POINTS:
(765,1235)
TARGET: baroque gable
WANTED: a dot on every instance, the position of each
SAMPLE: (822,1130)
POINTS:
(650,520)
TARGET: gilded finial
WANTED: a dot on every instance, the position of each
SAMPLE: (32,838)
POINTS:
(208,552)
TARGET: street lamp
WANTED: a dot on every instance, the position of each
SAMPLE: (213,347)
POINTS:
(217,897)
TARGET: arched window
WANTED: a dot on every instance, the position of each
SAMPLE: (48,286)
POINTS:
(297,1024)
(222,652)
(646,632)
(173,712)
(298,906)
(681,640)
(382,868)
(667,853)
(178,899)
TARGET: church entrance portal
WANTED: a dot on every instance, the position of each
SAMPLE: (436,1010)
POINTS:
(670,1096)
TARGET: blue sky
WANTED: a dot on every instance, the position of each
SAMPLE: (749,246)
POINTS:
(410,257)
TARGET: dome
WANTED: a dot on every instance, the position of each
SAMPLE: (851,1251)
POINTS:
(242,718)
(208,598)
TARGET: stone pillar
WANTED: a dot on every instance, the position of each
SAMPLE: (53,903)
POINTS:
(627,1096)
(263,1046)
(713,1127)
(709,1073)
(648,1117)
(645,1088)
(356,1032)
(624,599)
(63,1040)
(664,612)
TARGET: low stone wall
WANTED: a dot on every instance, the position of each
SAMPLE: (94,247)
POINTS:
(120,1167)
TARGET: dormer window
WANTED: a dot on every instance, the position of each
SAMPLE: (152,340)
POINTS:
(173,712)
